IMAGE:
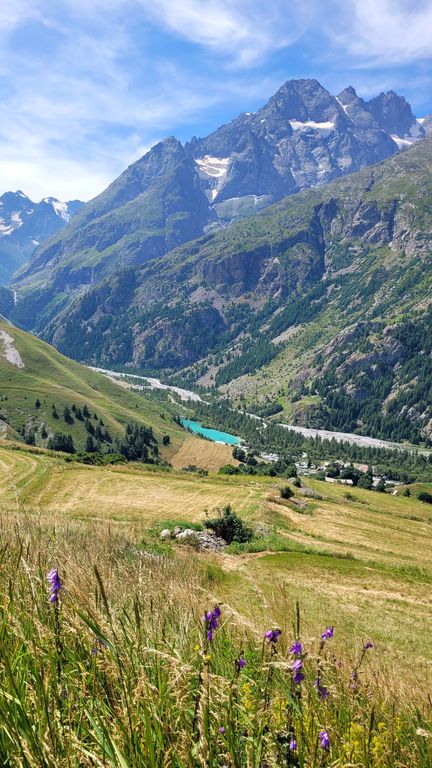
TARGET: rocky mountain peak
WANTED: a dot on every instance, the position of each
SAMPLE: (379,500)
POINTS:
(356,109)
(393,114)
(302,100)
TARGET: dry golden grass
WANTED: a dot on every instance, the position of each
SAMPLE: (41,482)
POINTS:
(127,493)
(202,454)
(362,564)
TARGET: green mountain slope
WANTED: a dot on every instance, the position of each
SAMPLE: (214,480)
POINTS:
(34,377)
(153,206)
(289,307)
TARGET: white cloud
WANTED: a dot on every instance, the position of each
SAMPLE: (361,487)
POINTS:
(74,118)
(384,31)
(245,30)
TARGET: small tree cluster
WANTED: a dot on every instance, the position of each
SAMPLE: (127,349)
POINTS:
(229,526)
(61,442)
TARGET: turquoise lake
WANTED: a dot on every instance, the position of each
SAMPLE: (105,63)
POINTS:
(211,434)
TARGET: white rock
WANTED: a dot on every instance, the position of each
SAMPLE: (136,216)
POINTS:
(165,534)
(187,535)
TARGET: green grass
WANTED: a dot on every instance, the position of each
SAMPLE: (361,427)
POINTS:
(55,379)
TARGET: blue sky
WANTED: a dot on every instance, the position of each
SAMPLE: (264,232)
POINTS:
(88,86)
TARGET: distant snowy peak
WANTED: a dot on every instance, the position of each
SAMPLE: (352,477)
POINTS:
(24,225)
(16,209)
(302,137)
(426,124)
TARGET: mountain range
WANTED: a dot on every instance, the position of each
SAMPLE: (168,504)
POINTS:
(24,225)
(303,137)
(303,306)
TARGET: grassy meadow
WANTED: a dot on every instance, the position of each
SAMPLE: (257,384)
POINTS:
(119,670)
(54,379)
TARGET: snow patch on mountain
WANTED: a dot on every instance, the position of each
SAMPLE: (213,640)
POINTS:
(215,167)
(344,106)
(298,125)
(61,210)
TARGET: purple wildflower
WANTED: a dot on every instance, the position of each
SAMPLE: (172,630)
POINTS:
(55,585)
(368,644)
(211,620)
(324,740)
(297,665)
(240,662)
(293,745)
(298,678)
(296,648)
(355,680)
(320,689)
(245,733)
(328,633)
(222,730)
(273,635)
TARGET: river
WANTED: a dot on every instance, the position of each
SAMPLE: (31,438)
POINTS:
(324,434)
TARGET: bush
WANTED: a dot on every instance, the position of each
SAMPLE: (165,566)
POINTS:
(426,497)
(229,526)
(97,458)
(286,492)
(228,469)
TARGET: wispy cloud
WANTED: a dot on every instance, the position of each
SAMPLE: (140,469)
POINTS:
(245,30)
(386,31)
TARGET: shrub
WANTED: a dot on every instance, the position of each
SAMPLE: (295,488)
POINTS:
(228,469)
(286,492)
(365,481)
(426,497)
(229,526)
